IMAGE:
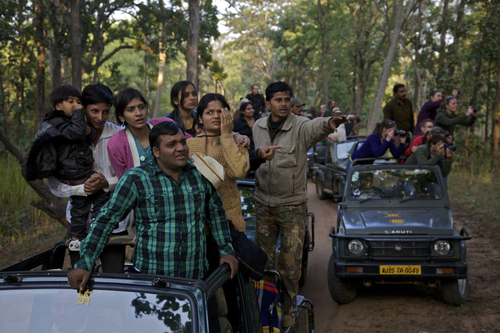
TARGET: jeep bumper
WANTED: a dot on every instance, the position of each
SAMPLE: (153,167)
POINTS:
(427,270)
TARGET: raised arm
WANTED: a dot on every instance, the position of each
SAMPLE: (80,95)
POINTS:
(236,156)
(312,131)
(76,129)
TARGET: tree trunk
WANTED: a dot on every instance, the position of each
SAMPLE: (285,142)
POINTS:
(40,68)
(192,42)
(76,45)
(161,72)
(496,120)
(55,54)
(458,33)
(442,48)
(322,19)
(488,90)
(386,70)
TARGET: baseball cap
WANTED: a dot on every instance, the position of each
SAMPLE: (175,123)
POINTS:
(336,110)
(295,101)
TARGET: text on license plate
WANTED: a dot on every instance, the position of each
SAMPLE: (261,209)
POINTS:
(415,270)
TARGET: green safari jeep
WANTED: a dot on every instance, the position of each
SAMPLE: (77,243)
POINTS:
(394,225)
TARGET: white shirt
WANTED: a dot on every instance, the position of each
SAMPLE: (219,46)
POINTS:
(102,165)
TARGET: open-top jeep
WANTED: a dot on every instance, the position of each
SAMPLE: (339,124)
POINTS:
(394,225)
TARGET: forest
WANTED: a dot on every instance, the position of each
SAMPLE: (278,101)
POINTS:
(352,51)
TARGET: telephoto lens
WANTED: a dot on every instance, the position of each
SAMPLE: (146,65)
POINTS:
(452,148)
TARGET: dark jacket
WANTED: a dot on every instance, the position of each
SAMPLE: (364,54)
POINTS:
(176,116)
(374,146)
(428,111)
(401,114)
(258,103)
(241,126)
(61,148)
(449,122)
(423,157)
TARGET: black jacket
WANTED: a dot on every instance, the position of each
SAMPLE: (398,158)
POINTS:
(61,148)
(241,126)
(176,116)
(258,103)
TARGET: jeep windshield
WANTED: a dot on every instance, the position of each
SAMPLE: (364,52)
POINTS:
(107,311)
(403,184)
(344,149)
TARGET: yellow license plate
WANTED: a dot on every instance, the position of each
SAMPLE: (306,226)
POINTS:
(404,270)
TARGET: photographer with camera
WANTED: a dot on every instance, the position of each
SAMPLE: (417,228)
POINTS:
(435,152)
(447,118)
(385,136)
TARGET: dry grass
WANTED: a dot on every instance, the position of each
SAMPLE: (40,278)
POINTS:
(24,230)
(478,190)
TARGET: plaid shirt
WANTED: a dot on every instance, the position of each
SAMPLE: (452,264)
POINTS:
(170,217)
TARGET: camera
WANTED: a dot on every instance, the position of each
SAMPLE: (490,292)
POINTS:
(399,132)
(475,110)
(450,147)
(447,135)
(458,90)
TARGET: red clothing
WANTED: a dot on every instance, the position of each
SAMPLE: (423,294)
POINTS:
(418,141)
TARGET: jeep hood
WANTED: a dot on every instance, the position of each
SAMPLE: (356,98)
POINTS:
(398,222)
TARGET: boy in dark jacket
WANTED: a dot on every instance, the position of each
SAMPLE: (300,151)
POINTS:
(61,149)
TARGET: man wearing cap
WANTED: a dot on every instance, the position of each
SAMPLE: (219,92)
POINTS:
(280,185)
(172,202)
(297,107)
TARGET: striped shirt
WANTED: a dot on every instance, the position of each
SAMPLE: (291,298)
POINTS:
(170,217)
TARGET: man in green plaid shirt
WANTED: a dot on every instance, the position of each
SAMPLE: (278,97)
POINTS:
(172,201)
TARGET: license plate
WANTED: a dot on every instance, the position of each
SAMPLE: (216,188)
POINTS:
(405,270)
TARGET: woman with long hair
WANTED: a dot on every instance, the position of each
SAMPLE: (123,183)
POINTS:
(244,123)
(183,98)
(377,144)
(447,118)
(430,109)
(130,147)
(216,141)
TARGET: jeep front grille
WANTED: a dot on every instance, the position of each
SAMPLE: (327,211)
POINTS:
(383,250)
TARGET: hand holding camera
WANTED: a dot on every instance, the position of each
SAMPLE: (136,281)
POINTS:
(470,111)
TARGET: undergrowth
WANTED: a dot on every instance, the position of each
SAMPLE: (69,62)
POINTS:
(24,230)
(476,186)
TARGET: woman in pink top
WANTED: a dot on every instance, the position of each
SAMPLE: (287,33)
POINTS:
(130,147)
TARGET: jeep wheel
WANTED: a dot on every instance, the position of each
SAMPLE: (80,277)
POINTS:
(455,291)
(342,290)
(319,189)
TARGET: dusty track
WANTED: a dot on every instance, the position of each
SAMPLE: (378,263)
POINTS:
(404,308)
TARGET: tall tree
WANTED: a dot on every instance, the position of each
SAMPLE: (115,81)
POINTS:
(386,70)
(192,41)
(76,45)
(40,67)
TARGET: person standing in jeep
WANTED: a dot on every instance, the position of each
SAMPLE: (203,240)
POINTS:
(280,185)
(258,102)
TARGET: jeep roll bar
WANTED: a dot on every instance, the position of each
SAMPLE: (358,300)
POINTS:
(373,159)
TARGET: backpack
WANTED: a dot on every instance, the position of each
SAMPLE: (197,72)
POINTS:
(42,158)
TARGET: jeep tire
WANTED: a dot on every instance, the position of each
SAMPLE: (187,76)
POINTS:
(342,290)
(455,291)
(319,189)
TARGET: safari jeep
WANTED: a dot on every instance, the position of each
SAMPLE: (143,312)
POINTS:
(394,225)
(35,297)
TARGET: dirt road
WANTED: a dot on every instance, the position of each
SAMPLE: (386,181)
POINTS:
(404,308)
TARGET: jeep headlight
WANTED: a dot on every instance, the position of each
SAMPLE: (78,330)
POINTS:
(442,247)
(355,247)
